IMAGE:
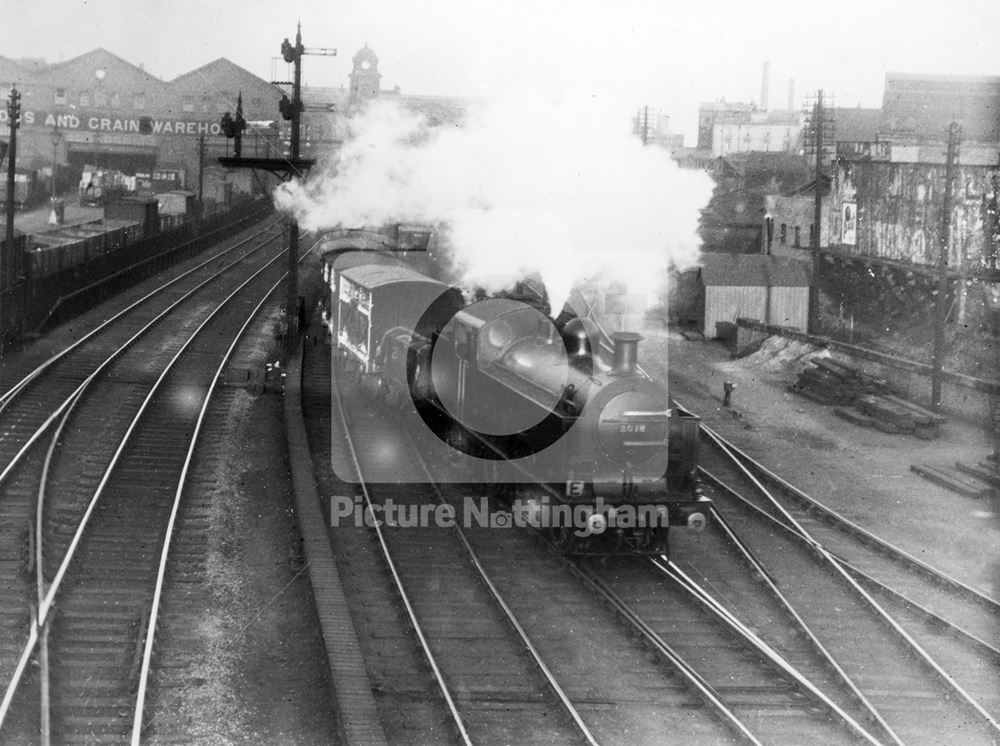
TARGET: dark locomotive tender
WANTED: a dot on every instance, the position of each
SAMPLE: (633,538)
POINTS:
(546,419)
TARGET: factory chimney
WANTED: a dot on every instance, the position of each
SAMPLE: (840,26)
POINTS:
(791,94)
(765,84)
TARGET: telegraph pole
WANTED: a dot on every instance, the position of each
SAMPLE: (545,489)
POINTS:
(13,114)
(814,306)
(944,243)
(293,55)
(201,177)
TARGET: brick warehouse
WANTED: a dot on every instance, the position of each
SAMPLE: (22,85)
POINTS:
(88,110)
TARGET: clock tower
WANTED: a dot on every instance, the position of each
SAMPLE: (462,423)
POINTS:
(365,77)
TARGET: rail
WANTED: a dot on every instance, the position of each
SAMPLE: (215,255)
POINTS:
(47,599)
(693,678)
(831,561)
(509,613)
(674,572)
(14,390)
(9,468)
(137,721)
(404,597)
(866,535)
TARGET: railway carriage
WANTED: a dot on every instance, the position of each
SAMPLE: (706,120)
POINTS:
(376,309)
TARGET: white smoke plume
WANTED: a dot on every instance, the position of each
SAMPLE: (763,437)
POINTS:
(561,187)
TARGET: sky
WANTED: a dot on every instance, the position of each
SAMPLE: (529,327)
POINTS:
(629,53)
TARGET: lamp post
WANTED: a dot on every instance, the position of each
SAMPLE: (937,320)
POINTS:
(56,138)
(55,216)
(7,248)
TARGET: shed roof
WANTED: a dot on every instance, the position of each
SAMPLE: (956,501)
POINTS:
(373,276)
(753,270)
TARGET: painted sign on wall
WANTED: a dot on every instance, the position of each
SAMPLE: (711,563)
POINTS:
(848,223)
(113,124)
(894,211)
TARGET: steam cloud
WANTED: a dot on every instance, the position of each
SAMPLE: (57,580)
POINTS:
(558,187)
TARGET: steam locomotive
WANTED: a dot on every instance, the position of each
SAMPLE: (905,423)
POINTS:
(588,449)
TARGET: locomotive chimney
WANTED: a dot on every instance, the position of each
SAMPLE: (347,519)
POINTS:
(626,353)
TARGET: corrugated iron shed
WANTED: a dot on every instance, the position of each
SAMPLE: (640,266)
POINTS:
(771,289)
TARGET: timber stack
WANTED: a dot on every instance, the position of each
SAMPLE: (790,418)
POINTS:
(864,399)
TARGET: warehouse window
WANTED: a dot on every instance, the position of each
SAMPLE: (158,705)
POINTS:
(188,103)
(85,98)
(784,233)
(206,103)
(60,95)
(798,241)
(100,98)
(139,101)
(116,101)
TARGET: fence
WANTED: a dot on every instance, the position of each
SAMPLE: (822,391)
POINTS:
(68,277)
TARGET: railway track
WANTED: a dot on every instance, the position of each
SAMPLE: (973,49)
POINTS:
(791,664)
(936,597)
(519,650)
(86,331)
(790,696)
(109,500)
(487,676)
(31,408)
(616,694)
(866,601)
(932,635)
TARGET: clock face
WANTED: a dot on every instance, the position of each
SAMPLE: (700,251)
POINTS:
(365,65)
(99,73)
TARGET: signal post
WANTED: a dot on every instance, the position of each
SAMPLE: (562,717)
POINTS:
(285,168)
